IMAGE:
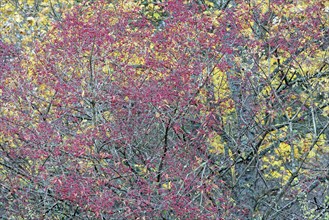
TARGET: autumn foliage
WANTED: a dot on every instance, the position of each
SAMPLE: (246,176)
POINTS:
(166,110)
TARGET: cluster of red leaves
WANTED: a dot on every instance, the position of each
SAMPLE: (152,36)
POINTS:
(147,157)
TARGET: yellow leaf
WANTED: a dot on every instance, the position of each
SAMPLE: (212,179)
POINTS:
(18,18)
(30,20)
(209,4)
(217,147)
(325,111)
(156,15)
(167,185)
(30,2)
